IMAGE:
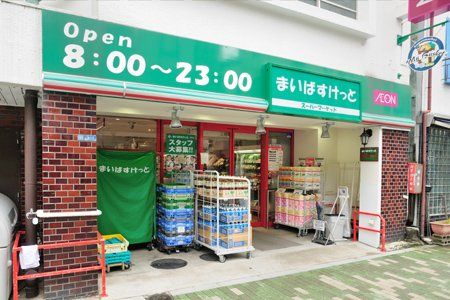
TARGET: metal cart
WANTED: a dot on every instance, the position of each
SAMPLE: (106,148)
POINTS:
(222,213)
(302,225)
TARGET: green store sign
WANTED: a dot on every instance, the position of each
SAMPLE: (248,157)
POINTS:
(83,55)
(314,95)
(181,144)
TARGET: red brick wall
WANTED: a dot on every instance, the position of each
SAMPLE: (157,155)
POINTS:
(394,183)
(69,184)
(12,117)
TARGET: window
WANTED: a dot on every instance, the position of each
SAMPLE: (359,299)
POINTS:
(121,133)
(345,8)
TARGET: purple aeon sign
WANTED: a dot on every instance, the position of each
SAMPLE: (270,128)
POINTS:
(419,10)
(385,98)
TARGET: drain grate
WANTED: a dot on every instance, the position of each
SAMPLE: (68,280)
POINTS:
(209,257)
(168,263)
(159,297)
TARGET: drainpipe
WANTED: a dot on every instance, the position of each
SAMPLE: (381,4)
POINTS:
(423,204)
(31,99)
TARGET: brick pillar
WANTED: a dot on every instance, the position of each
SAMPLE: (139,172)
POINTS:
(69,184)
(394,183)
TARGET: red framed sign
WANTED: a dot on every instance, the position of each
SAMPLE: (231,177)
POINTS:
(415,173)
(419,10)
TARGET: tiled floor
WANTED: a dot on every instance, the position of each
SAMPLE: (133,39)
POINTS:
(423,273)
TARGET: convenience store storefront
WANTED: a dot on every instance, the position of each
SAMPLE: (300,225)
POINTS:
(104,81)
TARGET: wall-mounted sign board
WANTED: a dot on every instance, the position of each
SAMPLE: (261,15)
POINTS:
(425,54)
(368,154)
(415,173)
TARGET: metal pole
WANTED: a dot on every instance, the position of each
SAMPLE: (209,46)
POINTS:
(31,99)
(423,205)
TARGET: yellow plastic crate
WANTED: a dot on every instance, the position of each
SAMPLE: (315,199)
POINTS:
(114,247)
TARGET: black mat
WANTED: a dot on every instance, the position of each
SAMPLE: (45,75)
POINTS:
(209,257)
(168,263)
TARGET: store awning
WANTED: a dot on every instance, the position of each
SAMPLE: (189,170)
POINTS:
(105,87)
(369,118)
(438,120)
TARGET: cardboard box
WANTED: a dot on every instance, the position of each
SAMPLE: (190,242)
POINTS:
(206,240)
(207,231)
(236,238)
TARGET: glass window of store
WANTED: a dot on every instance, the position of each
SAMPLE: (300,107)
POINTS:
(247,163)
(215,154)
(282,139)
(280,154)
(118,133)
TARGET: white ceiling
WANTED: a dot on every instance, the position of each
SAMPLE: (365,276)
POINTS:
(157,110)
(11,95)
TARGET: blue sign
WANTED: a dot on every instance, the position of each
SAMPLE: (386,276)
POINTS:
(87,138)
(425,54)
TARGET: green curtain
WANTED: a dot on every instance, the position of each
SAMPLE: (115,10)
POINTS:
(126,187)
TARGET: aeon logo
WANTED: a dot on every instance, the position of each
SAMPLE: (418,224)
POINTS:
(385,98)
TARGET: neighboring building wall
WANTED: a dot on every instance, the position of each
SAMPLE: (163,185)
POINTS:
(12,117)
(394,182)
(69,184)
(440,91)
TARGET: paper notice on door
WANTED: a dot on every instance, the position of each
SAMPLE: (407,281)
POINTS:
(204,158)
(275,157)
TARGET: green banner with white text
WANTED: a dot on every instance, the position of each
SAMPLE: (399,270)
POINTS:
(126,194)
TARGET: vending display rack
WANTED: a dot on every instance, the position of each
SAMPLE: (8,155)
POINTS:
(295,199)
(295,210)
(222,218)
(300,178)
(175,217)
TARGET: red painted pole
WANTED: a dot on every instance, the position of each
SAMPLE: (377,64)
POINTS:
(354,225)
(15,272)
(231,163)
(383,234)
(264,179)
(199,146)
(102,264)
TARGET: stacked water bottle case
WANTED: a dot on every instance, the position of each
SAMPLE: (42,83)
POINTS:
(175,217)
(233,225)
(223,213)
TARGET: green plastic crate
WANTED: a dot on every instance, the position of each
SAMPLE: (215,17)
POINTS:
(177,205)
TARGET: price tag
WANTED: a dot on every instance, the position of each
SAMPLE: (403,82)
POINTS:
(281,190)
(319,225)
(300,192)
(181,229)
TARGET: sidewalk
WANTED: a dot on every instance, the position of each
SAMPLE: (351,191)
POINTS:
(272,258)
(423,273)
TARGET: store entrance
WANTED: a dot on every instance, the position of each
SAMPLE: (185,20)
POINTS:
(247,163)
(236,151)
